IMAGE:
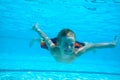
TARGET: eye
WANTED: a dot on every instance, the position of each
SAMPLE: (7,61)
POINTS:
(66,44)
(71,44)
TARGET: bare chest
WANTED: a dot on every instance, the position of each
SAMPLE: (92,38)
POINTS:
(61,57)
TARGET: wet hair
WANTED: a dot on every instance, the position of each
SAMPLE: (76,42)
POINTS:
(65,33)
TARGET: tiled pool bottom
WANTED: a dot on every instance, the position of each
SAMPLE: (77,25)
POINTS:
(55,76)
(46,69)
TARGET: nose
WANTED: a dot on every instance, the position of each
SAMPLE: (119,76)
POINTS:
(69,47)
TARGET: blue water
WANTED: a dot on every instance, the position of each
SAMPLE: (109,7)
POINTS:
(91,21)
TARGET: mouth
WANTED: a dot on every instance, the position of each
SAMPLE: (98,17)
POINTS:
(68,50)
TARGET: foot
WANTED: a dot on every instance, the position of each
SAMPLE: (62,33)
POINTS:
(31,43)
(35,40)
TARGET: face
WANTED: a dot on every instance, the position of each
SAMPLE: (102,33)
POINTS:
(67,45)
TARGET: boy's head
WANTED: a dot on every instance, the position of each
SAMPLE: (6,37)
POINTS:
(66,41)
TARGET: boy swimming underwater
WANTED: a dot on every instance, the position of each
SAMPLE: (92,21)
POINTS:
(65,48)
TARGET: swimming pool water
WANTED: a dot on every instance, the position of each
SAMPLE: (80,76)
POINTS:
(92,21)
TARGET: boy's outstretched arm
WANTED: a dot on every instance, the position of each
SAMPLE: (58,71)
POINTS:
(90,46)
(107,44)
(49,43)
